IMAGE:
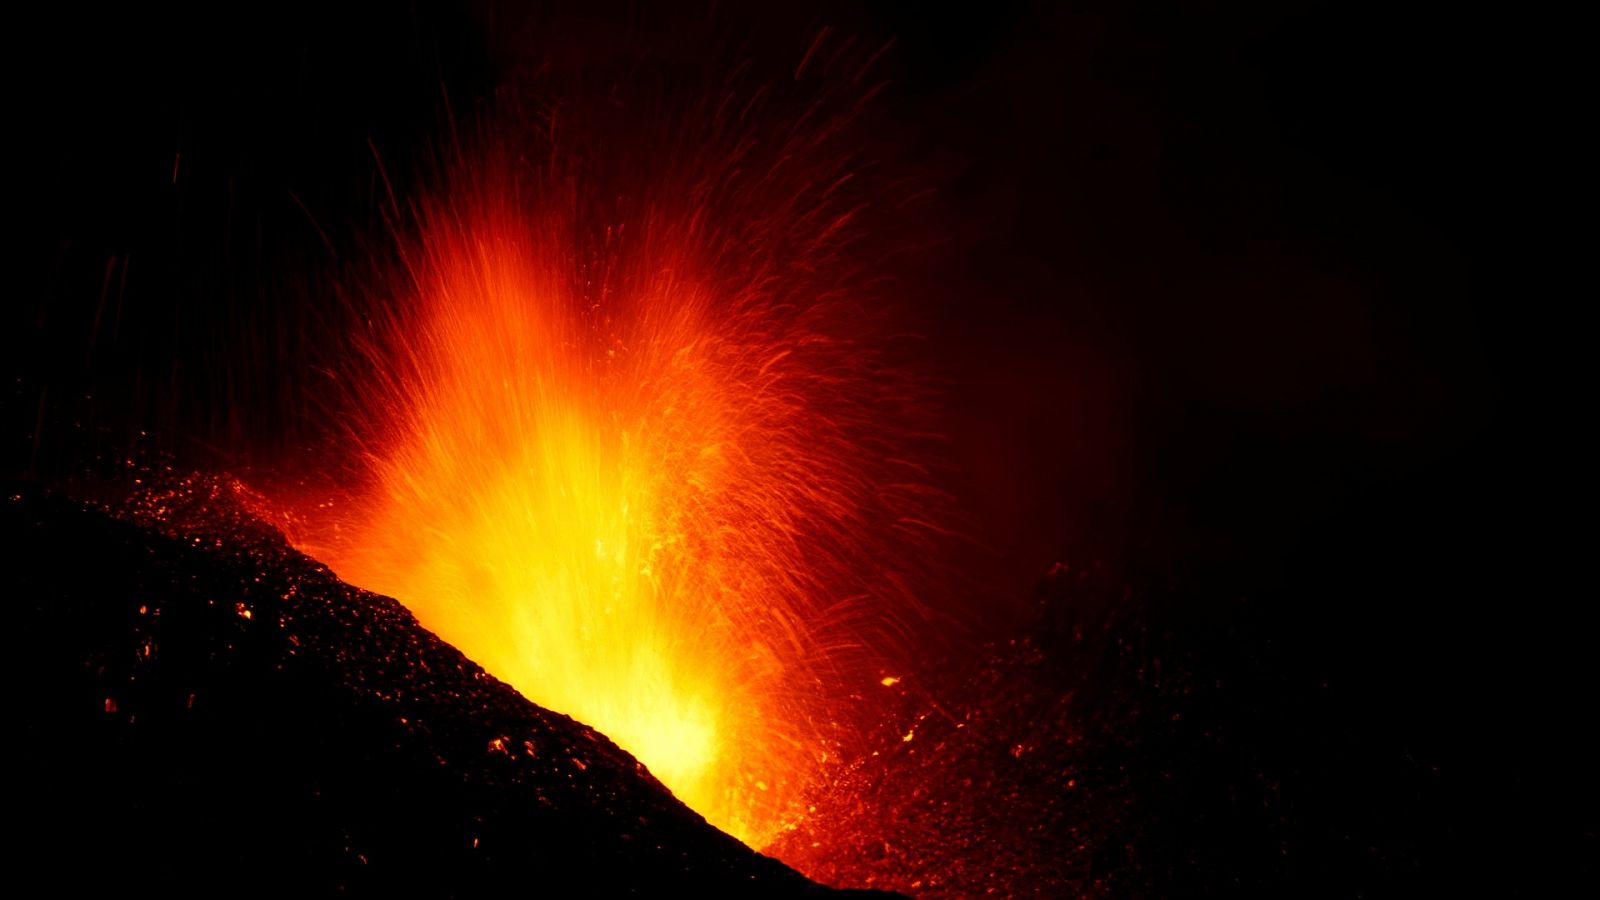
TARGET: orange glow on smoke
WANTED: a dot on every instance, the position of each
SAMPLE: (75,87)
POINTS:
(636,465)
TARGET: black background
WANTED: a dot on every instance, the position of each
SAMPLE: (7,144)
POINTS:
(1233,295)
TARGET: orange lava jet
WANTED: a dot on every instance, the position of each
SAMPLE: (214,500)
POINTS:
(626,435)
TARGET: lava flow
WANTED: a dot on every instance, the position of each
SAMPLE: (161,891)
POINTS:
(626,434)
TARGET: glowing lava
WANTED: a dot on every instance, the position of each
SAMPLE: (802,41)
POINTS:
(641,459)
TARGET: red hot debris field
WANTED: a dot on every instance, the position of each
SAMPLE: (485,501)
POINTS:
(1156,732)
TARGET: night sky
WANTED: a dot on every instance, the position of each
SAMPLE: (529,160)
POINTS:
(1207,292)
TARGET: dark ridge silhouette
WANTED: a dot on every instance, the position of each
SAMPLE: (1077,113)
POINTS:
(206,711)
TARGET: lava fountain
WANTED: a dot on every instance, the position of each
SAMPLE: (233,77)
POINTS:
(624,427)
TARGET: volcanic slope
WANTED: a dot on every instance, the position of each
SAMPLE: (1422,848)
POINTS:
(206,709)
